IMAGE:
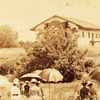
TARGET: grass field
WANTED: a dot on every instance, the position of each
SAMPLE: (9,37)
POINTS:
(11,52)
(8,54)
(59,91)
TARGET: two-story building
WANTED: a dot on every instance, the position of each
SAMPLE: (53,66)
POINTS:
(89,34)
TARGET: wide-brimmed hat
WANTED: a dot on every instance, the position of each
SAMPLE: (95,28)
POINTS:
(90,83)
(16,79)
(33,81)
(26,81)
(21,82)
(38,82)
(84,83)
(15,82)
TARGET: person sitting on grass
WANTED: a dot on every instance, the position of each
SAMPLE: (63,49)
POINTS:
(84,92)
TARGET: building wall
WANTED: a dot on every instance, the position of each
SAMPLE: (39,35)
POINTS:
(89,36)
(85,36)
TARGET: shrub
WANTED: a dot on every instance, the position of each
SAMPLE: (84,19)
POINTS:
(89,63)
(15,68)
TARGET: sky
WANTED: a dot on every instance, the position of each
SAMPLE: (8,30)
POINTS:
(22,15)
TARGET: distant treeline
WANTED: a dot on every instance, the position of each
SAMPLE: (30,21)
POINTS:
(8,38)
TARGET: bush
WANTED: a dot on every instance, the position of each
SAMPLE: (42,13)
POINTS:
(89,63)
(15,68)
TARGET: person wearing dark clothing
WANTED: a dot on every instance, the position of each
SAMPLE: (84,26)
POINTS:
(26,89)
(21,88)
(92,92)
(84,92)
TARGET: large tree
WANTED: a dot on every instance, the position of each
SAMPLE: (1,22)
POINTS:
(58,49)
(7,36)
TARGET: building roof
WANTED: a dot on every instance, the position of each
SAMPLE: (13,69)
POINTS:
(78,22)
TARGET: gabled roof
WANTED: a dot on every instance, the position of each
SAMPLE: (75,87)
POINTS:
(78,22)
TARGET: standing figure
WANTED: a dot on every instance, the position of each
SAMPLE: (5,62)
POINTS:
(42,94)
(21,88)
(92,92)
(84,92)
(26,89)
(34,92)
(15,91)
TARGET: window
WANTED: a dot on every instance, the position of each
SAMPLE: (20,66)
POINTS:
(82,34)
(96,35)
(92,36)
(46,25)
(88,35)
(66,24)
(65,34)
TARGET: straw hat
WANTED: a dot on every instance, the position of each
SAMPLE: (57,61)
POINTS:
(84,83)
(21,82)
(16,79)
(26,81)
(15,82)
(90,83)
(38,82)
(33,81)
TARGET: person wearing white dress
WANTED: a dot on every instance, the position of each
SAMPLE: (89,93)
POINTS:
(15,91)
(35,92)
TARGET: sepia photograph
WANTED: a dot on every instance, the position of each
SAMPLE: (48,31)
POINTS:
(49,49)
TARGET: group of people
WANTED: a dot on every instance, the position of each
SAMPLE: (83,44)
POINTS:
(29,90)
(87,92)
(32,91)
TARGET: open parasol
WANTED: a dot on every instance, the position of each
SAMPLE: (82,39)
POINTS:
(37,72)
(51,75)
(29,76)
(95,74)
